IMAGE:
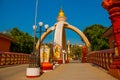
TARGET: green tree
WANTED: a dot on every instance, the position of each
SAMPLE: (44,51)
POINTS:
(93,33)
(24,42)
(76,51)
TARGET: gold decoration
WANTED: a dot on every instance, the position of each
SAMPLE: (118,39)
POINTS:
(61,13)
(44,55)
(116,51)
(57,52)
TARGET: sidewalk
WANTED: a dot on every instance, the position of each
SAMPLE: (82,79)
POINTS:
(71,71)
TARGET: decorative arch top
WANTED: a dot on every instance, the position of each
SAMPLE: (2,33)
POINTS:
(81,34)
(60,36)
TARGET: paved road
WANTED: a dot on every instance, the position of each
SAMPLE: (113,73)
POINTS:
(71,71)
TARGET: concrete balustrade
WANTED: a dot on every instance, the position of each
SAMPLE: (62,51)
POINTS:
(107,60)
(10,58)
(102,58)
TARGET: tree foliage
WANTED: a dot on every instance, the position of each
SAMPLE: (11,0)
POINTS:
(93,33)
(24,42)
(76,51)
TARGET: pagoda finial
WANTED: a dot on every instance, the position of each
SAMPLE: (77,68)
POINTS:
(61,15)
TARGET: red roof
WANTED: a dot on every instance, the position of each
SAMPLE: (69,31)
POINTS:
(108,32)
(7,37)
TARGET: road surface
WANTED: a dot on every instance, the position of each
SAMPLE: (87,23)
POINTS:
(70,71)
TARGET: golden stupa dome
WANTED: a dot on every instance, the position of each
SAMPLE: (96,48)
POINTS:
(61,13)
(61,16)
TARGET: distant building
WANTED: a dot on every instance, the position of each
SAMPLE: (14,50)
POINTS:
(109,34)
(5,42)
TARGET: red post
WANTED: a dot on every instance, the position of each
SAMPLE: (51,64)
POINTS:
(116,31)
(113,8)
(83,54)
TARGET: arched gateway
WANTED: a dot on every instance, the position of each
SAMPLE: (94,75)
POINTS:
(59,36)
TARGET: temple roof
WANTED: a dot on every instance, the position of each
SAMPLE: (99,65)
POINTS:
(108,32)
(7,37)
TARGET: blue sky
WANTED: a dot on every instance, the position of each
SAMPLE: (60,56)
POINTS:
(79,13)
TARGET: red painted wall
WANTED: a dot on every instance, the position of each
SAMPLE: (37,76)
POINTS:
(4,44)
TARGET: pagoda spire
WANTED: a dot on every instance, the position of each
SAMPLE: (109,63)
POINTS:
(61,15)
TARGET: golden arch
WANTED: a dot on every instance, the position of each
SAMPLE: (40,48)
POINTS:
(81,34)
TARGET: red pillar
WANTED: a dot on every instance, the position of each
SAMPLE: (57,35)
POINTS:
(83,54)
(113,8)
(116,30)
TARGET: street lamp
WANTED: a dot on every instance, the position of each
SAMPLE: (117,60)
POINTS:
(34,28)
(38,55)
(32,62)
(34,66)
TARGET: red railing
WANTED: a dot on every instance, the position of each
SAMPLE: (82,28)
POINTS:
(102,58)
(10,58)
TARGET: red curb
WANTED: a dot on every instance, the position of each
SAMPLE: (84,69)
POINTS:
(32,76)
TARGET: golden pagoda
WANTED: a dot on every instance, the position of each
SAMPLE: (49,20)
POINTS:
(61,15)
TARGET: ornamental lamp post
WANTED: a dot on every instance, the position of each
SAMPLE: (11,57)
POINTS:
(33,70)
(34,66)
(34,28)
(38,55)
